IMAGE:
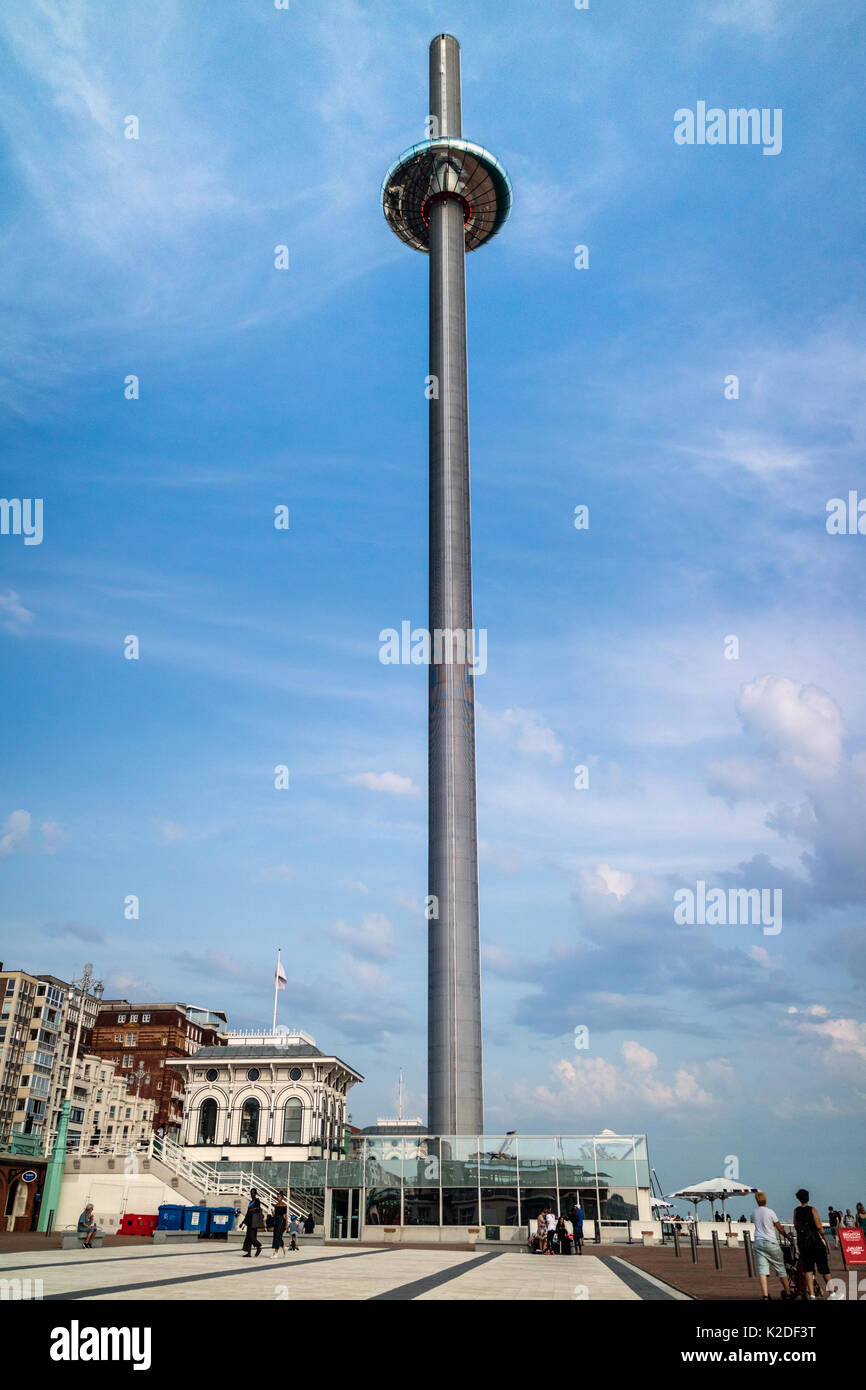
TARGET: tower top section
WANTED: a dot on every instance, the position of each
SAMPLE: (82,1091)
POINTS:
(446,166)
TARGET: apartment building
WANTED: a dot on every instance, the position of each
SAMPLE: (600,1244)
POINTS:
(145,1037)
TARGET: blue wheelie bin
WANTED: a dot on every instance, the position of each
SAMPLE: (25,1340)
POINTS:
(221,1220)
(195,1219)
(170,1218)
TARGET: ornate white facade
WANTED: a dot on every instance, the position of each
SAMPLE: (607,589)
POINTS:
(264,1096)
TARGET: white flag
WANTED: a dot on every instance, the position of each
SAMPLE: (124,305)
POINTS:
(280,976)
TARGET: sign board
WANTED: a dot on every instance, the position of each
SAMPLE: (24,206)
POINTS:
(853,1245)
(491,1233)
(29,1176)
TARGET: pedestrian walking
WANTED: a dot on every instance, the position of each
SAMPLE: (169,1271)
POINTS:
(541,1232)
(309,1224)
(294,1232)
(861,1217)
(848,1219)
(281,1213)
(87,1226)
(834,1224)
(254,1220)
(811,1243)
(768,1251)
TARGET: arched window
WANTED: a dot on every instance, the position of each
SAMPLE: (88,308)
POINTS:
(207,1122)
(250,1122)
(293,1117)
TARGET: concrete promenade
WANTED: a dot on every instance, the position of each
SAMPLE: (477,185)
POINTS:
(211,1271)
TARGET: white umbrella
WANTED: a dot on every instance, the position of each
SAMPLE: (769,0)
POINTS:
(712,1190)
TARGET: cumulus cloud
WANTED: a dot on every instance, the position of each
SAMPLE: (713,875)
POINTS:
(845,1038)
(390,782)
(799,725)
(591,1084)
(605,879)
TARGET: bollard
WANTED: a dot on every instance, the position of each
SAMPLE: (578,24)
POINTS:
(693,1237)
(750,1257)
(676,1242)
(717,1252)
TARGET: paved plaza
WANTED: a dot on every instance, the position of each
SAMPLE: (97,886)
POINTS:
(215,1272)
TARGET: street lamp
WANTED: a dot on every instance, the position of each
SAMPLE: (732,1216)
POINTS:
(54,1173)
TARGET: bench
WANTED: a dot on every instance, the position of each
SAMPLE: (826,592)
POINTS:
(73,1240)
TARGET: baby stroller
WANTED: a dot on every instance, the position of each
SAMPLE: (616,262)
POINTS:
(793,1268)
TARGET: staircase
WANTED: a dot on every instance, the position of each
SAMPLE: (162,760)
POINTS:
(209,1183)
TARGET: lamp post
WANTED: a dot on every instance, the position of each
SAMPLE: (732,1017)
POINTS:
(54,1172)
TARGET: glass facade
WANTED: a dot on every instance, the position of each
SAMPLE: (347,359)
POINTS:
(425,1180)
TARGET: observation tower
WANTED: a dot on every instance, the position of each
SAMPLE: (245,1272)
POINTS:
(446,197)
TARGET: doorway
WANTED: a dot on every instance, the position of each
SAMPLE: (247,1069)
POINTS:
(345,1213)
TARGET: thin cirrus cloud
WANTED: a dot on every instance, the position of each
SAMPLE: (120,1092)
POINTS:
(391,783)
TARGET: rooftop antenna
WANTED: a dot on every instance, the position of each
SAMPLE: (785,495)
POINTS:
(400,1097)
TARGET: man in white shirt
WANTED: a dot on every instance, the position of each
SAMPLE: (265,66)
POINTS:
(768,1228)
(551,1227)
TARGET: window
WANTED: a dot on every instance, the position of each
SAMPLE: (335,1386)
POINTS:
(295,1073)
(293,1116)
(145,1018)
(207,1122)
(133,1018)
(118,1037)
(130,1039)
(121,1018)
(250,1122)
(211,1073)
(165,1042)
(253,1074)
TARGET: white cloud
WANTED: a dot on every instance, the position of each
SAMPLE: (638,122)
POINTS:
(524,730)
(799,725)
(597,886)
(372,940)
(593,1084)
(635,1055)
(16,832)
(14,617)
(390,782)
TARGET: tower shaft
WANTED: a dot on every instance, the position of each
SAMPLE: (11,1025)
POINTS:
(455,1104)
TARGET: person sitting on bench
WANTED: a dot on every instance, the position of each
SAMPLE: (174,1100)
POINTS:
(87,1226)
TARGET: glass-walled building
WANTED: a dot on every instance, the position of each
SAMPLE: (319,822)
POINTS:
(422,1181)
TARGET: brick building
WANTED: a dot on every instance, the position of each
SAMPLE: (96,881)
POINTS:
(148,1035)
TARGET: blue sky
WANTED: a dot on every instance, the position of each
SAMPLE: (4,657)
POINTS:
(606,647)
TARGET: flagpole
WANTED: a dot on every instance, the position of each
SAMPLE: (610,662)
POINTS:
(276,988)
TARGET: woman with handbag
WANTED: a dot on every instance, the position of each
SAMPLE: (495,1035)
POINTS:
(281,1212)
(254,1220)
